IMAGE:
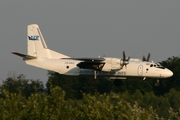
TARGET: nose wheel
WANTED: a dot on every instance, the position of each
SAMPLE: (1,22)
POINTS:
(157,83)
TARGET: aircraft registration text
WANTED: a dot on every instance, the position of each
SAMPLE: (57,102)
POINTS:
(69,62)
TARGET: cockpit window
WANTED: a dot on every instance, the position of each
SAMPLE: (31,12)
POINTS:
(157,65)
(160,66)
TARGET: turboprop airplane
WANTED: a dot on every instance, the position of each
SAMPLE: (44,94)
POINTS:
(39,55)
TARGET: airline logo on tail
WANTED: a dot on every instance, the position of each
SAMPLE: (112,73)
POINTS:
(33,37)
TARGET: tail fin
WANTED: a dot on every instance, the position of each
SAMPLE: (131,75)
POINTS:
(37,46)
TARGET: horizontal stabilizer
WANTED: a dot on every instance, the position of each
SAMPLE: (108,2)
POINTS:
(26,57)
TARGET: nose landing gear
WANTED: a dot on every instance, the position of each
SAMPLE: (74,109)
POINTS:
(157,83)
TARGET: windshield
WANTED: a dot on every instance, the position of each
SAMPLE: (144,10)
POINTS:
(157,65)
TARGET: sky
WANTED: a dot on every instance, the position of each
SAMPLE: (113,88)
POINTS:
(88,28)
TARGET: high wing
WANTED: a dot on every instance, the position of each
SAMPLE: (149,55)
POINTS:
(90,63)
(87,59)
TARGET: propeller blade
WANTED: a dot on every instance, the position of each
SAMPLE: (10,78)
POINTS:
(143,59)
(125,60)
(128,58)
(146,59)
(124,56)
(148,56)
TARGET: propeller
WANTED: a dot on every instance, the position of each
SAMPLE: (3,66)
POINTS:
(146,59)
(125,60)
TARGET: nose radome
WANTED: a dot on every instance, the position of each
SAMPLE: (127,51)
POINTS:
(169,73)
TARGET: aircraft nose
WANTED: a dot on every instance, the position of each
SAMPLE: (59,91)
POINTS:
(168,73)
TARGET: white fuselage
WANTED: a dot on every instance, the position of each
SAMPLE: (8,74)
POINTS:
(133,69)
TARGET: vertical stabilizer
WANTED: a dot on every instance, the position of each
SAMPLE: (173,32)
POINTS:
(36,44)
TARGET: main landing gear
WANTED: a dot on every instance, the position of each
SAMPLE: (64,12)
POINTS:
(117,82)
(95,81)
(95,74)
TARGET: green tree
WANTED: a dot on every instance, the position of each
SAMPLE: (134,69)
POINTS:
(173,64)
(75,86)
(22,85)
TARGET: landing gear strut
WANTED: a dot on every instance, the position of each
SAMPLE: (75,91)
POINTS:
(95,74)
(95,81)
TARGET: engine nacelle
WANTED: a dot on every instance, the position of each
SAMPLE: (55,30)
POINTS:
(112,64)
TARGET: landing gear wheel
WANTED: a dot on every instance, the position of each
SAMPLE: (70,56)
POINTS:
(117,82)
(157,83)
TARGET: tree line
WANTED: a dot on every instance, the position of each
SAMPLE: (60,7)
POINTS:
(76,97)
